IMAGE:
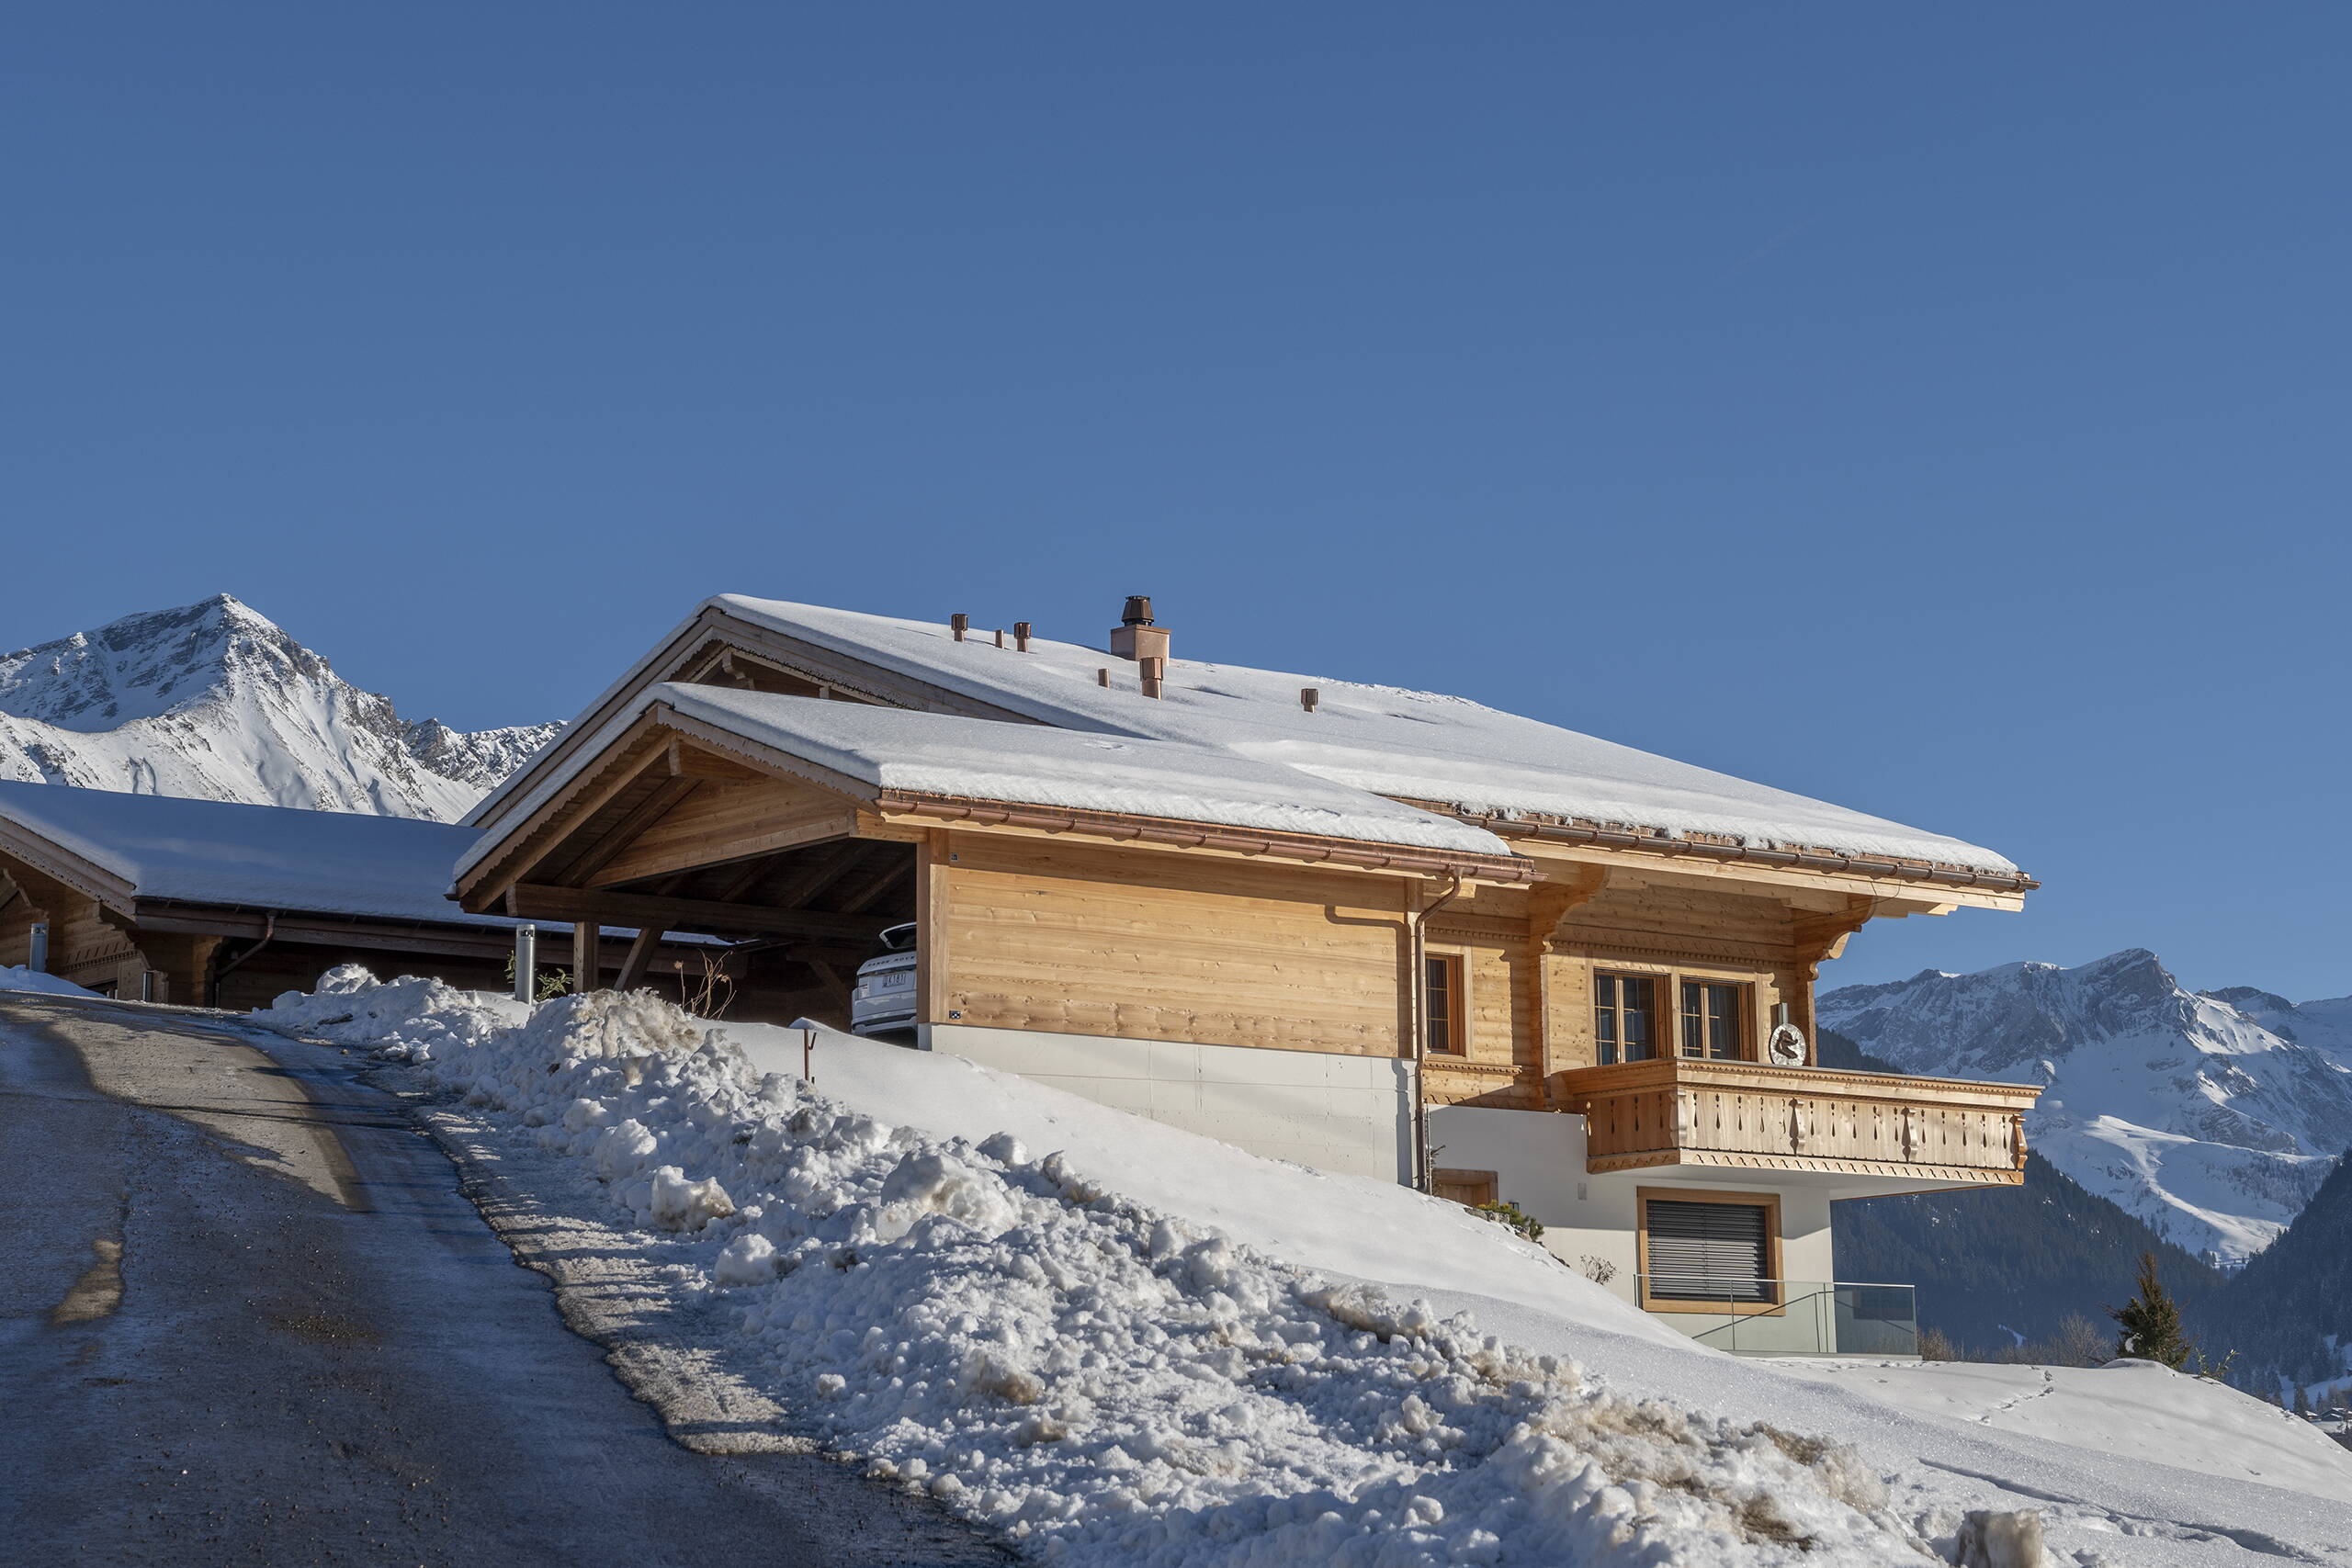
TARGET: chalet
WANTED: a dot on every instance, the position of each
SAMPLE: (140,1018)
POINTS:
(214,903)
(1380,931)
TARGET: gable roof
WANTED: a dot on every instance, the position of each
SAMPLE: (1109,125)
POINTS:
(260,857)
(898,751)
(1448,753)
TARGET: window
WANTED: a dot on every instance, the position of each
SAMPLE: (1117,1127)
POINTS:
(1717,1248)
(1624,1008)
(1711,1020)
(1442,1000)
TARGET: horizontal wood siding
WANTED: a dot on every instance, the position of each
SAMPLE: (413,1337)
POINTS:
(1074,938)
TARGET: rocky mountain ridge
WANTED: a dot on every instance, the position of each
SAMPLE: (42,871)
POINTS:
(2212,1120)
(214,701)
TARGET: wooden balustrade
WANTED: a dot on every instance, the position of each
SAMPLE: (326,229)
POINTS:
(1681,1111)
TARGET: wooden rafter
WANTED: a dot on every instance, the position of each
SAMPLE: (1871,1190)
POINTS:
(538,901)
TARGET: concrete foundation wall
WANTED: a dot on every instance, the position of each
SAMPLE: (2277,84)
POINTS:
(1538,1157)
(1341,1113)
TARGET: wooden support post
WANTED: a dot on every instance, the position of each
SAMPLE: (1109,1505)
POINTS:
(639,959)
(583,957)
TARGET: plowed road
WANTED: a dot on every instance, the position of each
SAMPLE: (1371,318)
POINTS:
(246,1316)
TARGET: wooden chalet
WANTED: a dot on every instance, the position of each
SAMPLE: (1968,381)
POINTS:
(212,903)
(1381,931)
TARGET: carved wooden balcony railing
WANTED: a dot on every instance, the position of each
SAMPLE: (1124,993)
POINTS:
(1678,1111)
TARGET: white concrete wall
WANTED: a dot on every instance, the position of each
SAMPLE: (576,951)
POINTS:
(1333,1112)
(1538,1157)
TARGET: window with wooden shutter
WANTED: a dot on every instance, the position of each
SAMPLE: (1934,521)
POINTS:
(1711,1249)
(1445,1016)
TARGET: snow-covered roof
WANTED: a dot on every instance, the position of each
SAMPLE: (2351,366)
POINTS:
(1084,770)
(1380,740)
(262,857)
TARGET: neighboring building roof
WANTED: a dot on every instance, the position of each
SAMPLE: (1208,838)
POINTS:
(259,857)
(1379,740)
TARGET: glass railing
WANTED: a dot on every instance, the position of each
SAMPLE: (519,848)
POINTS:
(1787,1317)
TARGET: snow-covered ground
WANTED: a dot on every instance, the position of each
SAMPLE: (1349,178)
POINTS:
(16,977)
(1122,1342)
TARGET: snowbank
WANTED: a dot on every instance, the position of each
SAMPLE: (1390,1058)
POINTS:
(14,977)
(1344,1225)
(1095,1333)
(1103,1382)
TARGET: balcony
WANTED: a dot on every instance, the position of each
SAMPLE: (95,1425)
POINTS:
(1787,1317)
(1703,1114)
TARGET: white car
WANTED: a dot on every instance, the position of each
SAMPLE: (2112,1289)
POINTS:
(884,1001)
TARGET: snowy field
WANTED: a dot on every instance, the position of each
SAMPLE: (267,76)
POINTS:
(1120,1343)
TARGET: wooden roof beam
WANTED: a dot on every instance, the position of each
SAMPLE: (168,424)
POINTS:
(536,901)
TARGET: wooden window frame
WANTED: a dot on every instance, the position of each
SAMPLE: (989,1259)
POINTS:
(1660,981)
(1457,1012)
(1742,1016)
(1768,1200)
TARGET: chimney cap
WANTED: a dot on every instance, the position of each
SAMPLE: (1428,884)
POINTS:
(1139,611)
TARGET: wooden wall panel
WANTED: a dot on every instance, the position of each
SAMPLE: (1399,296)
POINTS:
(1075,939)
(730,821)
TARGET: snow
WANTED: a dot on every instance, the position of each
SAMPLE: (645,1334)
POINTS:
(213,701)
(16,977)
(1036,764)
(1380,740)
(2179,1108)
(2134,1410)
(1120,1343)
(263,857)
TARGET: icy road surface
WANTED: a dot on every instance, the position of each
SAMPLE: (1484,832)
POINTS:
(247,1315)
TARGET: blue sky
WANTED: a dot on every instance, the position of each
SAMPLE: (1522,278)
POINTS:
(1942,413)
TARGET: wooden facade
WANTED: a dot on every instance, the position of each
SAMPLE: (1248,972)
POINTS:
(1095,924)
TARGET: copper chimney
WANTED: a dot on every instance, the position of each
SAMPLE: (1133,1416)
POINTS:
(1020,637)
(1136,637)
(959,625)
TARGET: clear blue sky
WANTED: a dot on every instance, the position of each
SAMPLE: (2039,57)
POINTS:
(1944,411)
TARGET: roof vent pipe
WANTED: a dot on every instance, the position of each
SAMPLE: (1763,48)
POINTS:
(959,625)
(1307,697)
(1136,635)
(1153,671)
(1020,637)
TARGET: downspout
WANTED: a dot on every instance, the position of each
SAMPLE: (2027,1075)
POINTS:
(268,934)
(1418,989)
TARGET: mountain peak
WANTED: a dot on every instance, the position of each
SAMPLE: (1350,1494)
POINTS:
(216,701)
(2207,1116)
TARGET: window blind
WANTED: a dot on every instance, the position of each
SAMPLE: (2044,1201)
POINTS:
(1711,1252)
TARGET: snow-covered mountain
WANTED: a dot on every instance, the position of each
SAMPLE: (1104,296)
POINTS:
(2211,1117)
(215,702)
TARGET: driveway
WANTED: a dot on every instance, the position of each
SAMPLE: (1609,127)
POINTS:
(246,1316)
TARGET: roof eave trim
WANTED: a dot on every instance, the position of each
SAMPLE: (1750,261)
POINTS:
(1311,848)
(1800,860)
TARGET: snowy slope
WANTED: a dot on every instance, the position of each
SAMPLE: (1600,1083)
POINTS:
(214,702)
(2180,1107)
(877,1257)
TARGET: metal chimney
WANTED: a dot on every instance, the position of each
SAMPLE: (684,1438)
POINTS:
(1136,637)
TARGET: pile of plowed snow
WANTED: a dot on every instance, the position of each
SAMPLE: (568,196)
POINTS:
(16,977)
(1105,1380)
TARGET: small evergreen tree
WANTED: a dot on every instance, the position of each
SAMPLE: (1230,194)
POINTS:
(2302,1401)
(2148,1326)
